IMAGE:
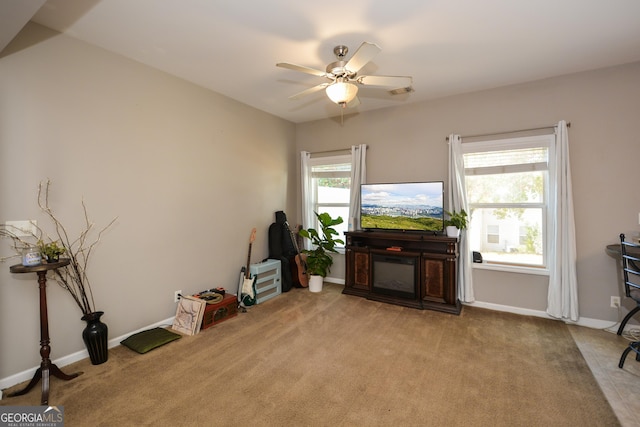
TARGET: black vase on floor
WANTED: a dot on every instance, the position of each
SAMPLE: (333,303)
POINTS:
(95,337)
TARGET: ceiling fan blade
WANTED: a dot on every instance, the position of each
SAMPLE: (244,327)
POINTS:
(364,54)
(309,91)
(301,68)
(386,81)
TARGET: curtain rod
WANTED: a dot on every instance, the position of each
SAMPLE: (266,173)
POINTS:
(337,150)
(513,131)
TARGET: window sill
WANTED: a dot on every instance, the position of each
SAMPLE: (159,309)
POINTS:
(511,268)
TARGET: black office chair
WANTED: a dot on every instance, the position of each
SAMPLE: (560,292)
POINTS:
(631,271)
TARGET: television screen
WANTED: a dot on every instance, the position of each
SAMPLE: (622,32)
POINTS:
(406,206)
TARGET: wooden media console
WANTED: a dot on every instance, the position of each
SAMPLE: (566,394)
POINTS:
(411,269)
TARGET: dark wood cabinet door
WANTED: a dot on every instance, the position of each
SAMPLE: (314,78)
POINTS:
(438,281)
(433,280)
(358,269)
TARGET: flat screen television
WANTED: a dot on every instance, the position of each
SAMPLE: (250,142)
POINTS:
(406,206)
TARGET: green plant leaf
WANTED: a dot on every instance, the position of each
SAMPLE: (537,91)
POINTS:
(319,262)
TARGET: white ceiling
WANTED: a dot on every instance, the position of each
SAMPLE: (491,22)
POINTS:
(447,46)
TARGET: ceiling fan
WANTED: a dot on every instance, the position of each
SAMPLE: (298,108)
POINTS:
(343,77)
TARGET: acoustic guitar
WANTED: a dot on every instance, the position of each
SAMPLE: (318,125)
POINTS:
(247,290)
(300,260)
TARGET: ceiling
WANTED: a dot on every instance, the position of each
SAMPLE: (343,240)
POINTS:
(448,46)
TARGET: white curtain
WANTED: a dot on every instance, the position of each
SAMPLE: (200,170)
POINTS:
(308,218)
(358,176)
(562,299)
(457,198)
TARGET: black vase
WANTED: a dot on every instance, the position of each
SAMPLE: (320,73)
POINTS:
(95,337)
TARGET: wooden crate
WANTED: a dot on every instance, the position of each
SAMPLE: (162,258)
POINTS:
(219,312)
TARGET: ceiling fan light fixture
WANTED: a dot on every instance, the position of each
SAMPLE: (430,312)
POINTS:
(344,80)
(342,92)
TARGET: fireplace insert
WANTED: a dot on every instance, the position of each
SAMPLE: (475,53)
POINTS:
(395,275)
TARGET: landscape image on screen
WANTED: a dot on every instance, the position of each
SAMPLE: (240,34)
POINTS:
(402,206)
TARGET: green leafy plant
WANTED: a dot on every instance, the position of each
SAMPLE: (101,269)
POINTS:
(50,251)
(319,259)
(457,219)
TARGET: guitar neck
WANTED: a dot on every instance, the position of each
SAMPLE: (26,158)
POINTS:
(251,239)
(246,272)
(293,238)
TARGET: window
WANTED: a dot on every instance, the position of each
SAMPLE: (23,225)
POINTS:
(331,184)
(507,185)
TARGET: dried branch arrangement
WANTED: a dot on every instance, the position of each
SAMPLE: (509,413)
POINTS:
(73,277)
(18,244)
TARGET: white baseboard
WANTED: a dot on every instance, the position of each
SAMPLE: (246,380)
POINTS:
(582,321)
(71,358)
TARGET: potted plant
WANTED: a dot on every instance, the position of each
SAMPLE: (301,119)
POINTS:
(50,251)
(319,259)
(457,221)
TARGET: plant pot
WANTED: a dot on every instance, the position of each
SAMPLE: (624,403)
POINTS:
(95,336)
(315,283)
(453,231)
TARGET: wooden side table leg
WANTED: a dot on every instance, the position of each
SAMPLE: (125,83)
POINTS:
(45,349)
(36,377)
(56,372)
(44,400)
(46,368)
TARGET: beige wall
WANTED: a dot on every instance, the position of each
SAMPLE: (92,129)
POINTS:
(408,143)
(187,172)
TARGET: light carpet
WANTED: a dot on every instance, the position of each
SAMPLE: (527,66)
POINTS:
(327,359)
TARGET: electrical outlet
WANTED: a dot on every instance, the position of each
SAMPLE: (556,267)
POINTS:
(176,296)
(615,302)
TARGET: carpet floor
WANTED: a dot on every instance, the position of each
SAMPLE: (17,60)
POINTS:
(320,359)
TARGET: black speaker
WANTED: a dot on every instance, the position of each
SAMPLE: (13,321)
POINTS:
(477,257)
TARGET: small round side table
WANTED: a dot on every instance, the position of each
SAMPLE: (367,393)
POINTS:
(46,367)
